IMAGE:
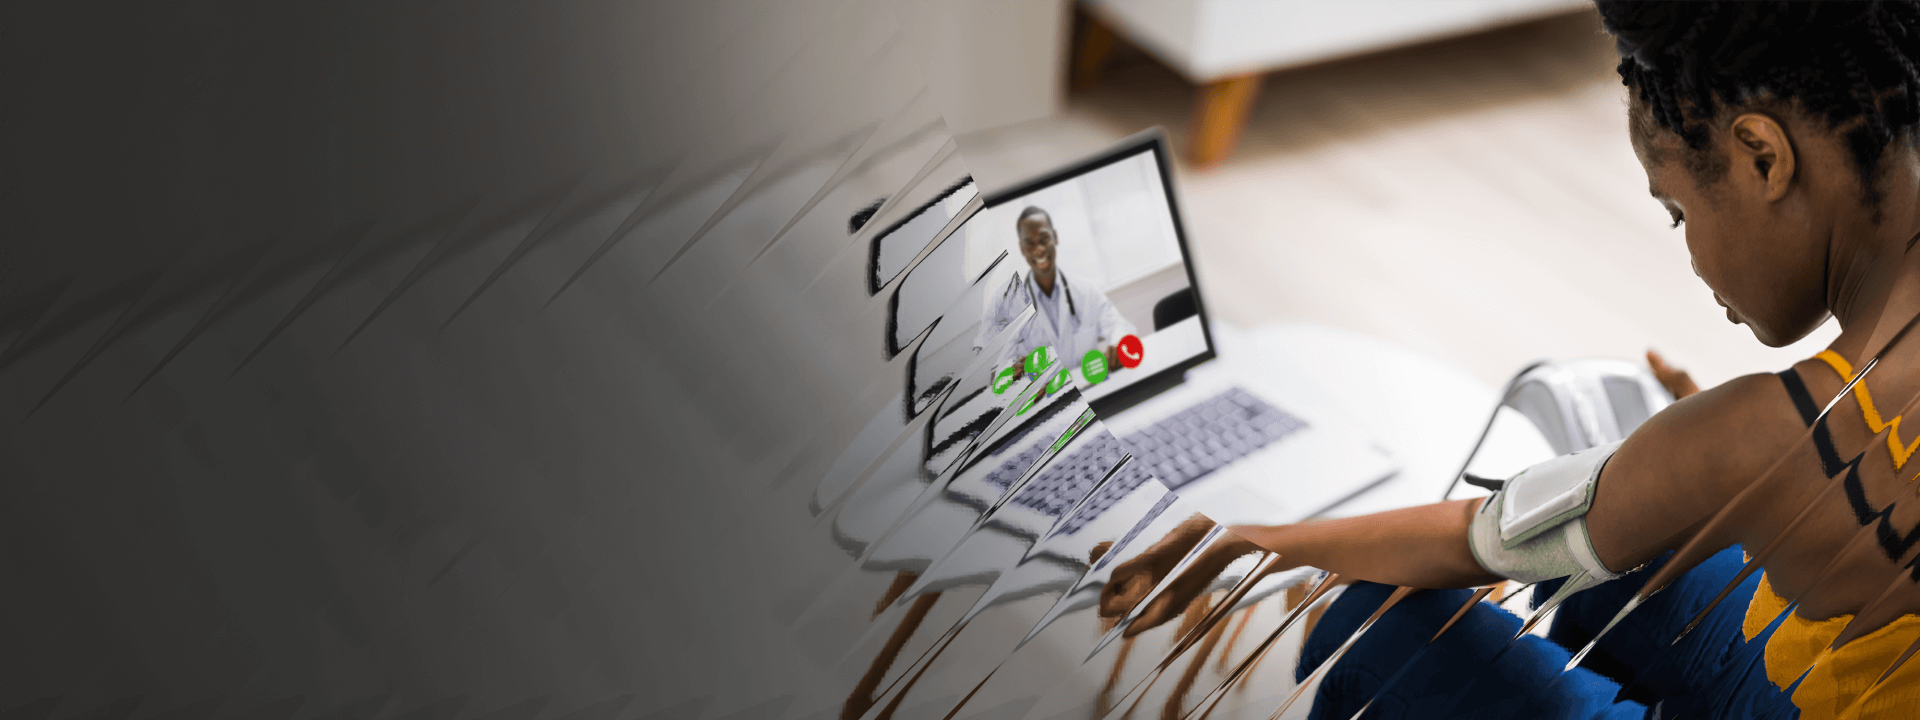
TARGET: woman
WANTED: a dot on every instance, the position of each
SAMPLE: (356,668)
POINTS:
(1783,137)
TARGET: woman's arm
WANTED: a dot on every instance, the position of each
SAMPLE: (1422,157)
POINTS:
(1423,546)
(1673,472)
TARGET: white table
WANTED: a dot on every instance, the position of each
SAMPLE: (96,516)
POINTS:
(1424,412)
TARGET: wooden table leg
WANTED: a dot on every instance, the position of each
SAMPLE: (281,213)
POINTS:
(1096,42)
(1219,116)
(863,698)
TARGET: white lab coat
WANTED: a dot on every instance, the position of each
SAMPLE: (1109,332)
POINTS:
(1088,321)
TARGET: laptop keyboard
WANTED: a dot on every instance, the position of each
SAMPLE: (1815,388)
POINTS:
(1210,435)
(1178,449)
(1065,480)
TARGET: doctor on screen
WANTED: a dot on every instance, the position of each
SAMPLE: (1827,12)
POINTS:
(1073,319)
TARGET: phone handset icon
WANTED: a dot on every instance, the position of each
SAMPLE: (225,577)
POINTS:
(1131,351)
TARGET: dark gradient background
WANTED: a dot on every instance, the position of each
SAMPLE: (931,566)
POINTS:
(429,360)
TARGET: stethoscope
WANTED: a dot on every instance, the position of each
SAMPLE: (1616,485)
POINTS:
(1060,278)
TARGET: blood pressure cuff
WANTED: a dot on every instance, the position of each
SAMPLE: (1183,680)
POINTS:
(1535,527)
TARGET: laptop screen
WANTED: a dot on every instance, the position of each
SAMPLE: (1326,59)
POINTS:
(1098,251)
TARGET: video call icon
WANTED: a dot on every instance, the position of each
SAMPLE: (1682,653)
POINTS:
(1058,382)
(1028,405)
(1039,359)
(1004,379)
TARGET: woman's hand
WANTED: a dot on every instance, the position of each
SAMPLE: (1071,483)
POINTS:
(1676,381)
(1130,583)
(1192,582)
(1134,579)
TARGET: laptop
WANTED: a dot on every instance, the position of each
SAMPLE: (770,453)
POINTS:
(1126,316)
(1054,404)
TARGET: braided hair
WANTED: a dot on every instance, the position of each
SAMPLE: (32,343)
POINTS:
(1851,64)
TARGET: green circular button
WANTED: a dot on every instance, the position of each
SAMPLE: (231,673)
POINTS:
(1039,359)
(1094,367)
(1059,381)
(1005,379)
(1028,405)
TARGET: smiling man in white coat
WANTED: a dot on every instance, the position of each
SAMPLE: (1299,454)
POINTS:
(1072,319)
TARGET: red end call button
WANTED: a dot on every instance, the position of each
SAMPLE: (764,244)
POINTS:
(1130,351)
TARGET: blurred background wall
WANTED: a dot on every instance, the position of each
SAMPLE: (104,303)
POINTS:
(1461,186)
(992,64)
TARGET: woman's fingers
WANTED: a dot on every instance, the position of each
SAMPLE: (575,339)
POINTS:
(1099,551)
(1126,589)
(1157,613)
(1168,605)
(1676,381)
(1132,580)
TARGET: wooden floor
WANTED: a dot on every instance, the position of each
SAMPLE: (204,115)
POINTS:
(1474,199)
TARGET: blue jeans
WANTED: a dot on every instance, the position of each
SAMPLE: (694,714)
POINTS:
(1473,672)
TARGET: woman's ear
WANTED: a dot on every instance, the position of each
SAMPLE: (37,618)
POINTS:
(1762,151)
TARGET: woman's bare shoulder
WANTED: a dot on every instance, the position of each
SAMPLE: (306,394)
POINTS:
(1728,422)
(1687,462)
